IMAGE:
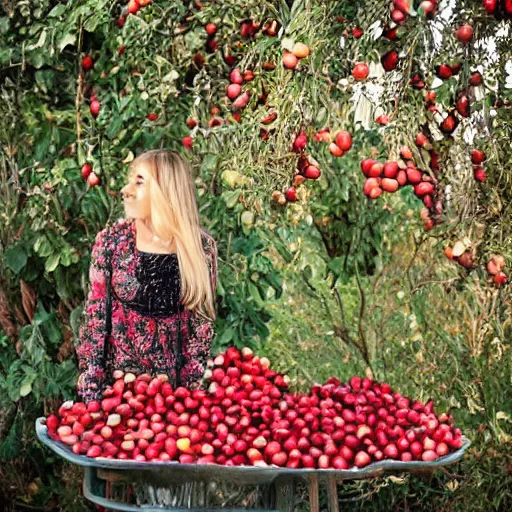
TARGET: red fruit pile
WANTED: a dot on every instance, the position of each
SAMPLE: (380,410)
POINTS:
(495,268)
(249,28)
(247,417)
(307,167)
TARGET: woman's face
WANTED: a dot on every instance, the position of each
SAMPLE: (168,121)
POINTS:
(136,193)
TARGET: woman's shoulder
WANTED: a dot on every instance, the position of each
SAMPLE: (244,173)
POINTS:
(111,233)
(118,227)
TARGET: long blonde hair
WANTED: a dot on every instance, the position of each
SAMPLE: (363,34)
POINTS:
(174,214)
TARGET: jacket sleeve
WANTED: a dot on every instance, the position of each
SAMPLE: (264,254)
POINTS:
(91,339)
(197,349)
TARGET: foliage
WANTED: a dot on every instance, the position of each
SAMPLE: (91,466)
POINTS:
(382,297)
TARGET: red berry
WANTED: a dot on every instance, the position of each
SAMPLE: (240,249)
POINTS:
(490,6)
(211,28)
(476,79)
(87,62)
(477,156)
(390,60)
(187,141)
(344,140)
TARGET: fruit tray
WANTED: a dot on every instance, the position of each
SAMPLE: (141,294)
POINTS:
(252,474)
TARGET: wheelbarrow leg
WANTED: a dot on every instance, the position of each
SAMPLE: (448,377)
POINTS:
(332,494)
(285,494)
(314,501)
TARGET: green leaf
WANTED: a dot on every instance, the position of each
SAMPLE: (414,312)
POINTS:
(26,388)
(66,40)
(42,246)
(75,319)
(57,11)
(210,163)
(231,197)
(52,262)
(255,294)
(4,25)
(11,446)
(37,58)
(40,42)
(226,336)
(91,23)
(15,258)
(45,79)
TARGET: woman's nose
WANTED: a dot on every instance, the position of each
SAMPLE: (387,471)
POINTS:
(125,191)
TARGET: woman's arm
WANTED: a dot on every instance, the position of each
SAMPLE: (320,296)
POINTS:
(90,343)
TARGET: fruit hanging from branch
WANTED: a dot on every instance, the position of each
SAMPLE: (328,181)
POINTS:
(464,34)
(300,50)
(86,170)
(87,62)
(361,71)
(95,108)
(290,61)
(495,267)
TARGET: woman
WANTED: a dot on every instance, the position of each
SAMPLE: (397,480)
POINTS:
(164,274)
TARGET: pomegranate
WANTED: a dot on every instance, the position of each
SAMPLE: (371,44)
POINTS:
(93,180)
(464,34)
(133,6)
(390,60)
(343,140)
(360,71)
(95,108)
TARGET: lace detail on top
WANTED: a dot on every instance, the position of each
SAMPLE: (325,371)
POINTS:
(158,295)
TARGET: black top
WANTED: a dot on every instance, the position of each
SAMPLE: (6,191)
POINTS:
(160,288)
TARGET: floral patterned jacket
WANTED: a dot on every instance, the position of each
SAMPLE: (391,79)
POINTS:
(138,343)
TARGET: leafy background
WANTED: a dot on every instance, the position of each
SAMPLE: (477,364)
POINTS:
(333,284)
